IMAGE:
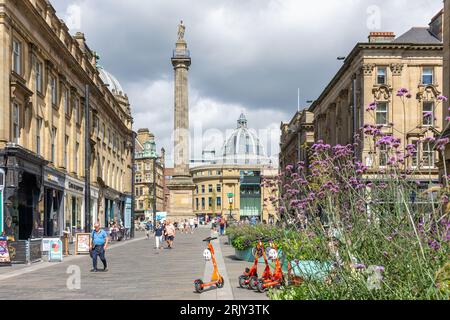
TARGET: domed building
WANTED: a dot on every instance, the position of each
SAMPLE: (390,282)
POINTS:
(229,184)
(116,89)
(243,146)
(111,81)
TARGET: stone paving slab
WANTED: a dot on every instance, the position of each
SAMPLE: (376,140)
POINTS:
(136,271)
(226,292)
(235,268)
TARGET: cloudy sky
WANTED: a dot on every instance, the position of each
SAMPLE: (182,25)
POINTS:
(247,55)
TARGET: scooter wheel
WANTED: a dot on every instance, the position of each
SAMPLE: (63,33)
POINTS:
(198,286)
(260,286)
(220,283)
(253,283)
(242,282)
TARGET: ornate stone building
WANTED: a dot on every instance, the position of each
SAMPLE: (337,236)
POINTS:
(146,159)
(44,72)
(445,122)
(296,137)
(231,184)
(373,72)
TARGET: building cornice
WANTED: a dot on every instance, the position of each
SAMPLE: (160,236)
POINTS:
(72,63)
(359,47)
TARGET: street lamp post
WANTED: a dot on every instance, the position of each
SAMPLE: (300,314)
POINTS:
(230,201)
(154,158)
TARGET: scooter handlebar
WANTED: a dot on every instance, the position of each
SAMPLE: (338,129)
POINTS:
(210,239)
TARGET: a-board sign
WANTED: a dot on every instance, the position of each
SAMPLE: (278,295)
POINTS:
(5,259)
(46,244)
(82,243)
(55,254)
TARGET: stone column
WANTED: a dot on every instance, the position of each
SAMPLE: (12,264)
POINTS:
(181,61)
(181,186)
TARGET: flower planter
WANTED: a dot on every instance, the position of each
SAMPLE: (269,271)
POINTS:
(244,255)
(247,255)
(309,269)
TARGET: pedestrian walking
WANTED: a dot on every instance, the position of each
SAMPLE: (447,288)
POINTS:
(170,234)
(99,244)
(186,226)
(148,228)
(159,235)
(222,226)
(191,225)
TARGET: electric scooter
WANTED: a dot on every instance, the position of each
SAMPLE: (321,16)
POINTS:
(277,279)
(216,279)
(250,278)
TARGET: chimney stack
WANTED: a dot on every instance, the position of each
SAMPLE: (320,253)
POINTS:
(381,37)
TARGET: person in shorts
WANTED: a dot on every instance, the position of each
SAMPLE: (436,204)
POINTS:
(170,234)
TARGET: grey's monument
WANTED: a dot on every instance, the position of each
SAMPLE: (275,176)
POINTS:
(181,187)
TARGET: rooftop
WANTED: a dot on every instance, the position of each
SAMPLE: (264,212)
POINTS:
(418,35)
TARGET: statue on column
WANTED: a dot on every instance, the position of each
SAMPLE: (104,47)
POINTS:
(181,30)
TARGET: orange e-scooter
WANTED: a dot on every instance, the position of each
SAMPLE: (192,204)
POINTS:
(250,278)
(277,278)
(216,278)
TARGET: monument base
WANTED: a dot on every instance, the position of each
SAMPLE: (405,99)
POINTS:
(181,199)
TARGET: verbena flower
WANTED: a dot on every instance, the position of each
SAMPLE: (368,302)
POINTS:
(372,106)
(442,98)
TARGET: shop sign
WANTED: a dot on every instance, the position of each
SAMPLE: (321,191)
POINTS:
(52,178)
(55,253)
(46,245)
(161,216)
(5,259)
(75,187)
(127,213)
(19,251)
(82,243)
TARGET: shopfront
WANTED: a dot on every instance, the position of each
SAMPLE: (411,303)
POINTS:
(112,209)
(54,184)
(22,194)
(250,194)
(74,205)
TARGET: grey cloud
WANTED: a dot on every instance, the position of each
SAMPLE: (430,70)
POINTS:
(253,54)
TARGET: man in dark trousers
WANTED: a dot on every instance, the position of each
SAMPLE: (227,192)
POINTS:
(98,246)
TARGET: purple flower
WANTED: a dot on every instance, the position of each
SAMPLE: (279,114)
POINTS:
(428,114)
(441,143)
(442,98)
(379,268)
(359,266)
(372,106)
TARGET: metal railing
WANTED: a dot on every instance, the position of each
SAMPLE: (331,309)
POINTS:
(181,53)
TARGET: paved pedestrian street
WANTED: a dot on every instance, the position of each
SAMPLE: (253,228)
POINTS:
(136,271)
